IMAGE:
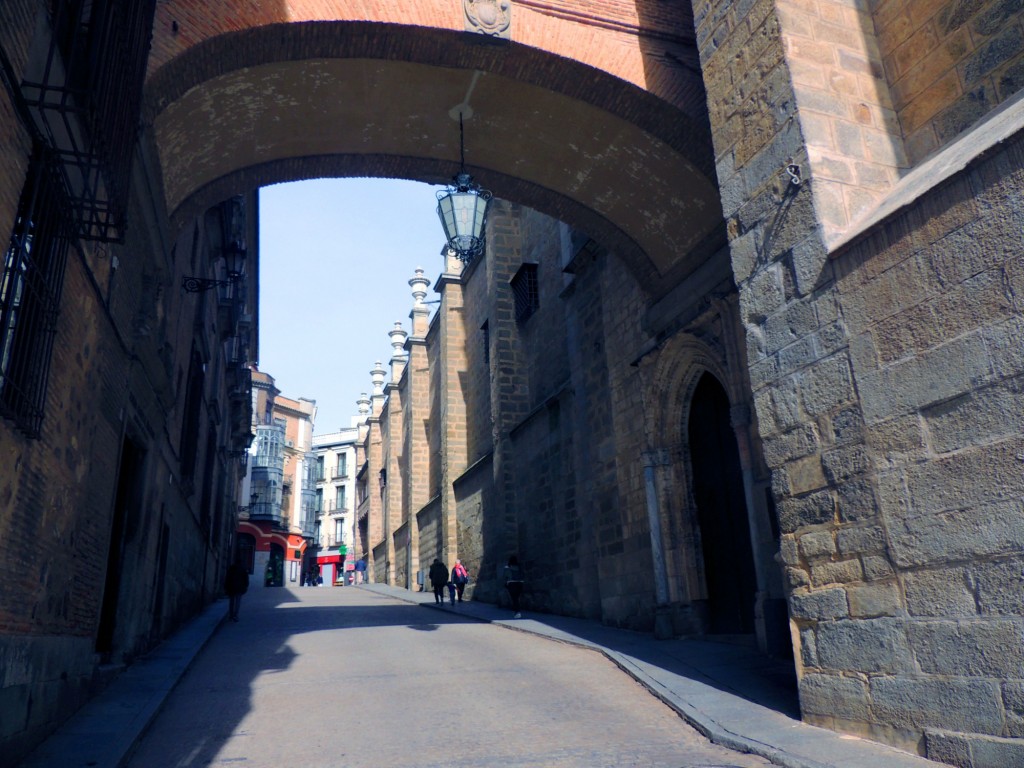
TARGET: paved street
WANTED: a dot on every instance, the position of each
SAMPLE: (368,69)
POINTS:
(349,677)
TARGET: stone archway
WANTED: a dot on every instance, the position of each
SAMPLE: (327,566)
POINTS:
(348,98)
(673,374)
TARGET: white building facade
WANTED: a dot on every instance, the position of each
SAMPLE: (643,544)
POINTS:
(334,471)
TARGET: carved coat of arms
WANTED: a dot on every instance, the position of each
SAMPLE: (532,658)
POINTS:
(488,17)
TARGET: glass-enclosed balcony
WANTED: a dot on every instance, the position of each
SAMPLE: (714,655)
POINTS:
(309,512)
(269,442)
(312,471)
(266,501)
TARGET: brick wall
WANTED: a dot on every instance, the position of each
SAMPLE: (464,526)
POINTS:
(643,43)
(60,490)
(16,26)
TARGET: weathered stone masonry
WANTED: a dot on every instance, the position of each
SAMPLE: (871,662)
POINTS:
(795,223)
(882,374)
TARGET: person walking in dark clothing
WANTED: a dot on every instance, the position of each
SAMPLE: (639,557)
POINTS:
(236,584)
(438,579)
(514,583)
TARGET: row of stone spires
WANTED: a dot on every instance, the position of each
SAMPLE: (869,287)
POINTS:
(368,405)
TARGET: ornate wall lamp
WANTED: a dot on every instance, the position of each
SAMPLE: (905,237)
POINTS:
(234,257)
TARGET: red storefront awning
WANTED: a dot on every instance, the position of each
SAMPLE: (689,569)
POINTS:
(324,559)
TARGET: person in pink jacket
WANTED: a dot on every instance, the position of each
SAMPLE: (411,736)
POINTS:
(460,577)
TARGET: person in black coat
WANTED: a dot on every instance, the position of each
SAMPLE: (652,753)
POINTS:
(236,583)
(514,584)
(438,579)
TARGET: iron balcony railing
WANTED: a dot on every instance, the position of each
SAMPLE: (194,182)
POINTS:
(85,97)
(265,510)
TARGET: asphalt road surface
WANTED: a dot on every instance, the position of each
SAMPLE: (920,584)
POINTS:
(345,678)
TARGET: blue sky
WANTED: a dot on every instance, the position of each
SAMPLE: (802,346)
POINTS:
(336,256)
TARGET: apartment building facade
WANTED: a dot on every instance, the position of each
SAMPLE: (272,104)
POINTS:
(277,529)
(335,469)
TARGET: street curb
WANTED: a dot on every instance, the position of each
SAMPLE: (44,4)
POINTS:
(703,723)
(107,730)
(708,726)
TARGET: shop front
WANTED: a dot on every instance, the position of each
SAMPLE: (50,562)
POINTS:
(333,566)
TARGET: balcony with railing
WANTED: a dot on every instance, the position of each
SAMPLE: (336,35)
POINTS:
(267,511)
(85,96)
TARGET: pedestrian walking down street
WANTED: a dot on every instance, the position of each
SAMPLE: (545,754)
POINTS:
(438,574)
(360,577)
(514,584)
(451,593)
(236,584)
(460,577)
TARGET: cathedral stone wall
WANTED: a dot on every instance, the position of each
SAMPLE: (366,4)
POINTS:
(948,64)
(879,367)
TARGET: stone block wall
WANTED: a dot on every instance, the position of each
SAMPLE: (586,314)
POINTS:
(391,506)
(430,420)
(416,454)
(474,494)
(880,373)
(626,572)
(948,64)
(509,393)
(430,537)
(451,360)
(478,297)
(932,303)
(542,336)
(852,132)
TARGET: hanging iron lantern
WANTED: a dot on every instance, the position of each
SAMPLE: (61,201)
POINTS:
(462,208)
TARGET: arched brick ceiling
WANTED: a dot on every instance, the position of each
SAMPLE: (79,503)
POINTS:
(628,168)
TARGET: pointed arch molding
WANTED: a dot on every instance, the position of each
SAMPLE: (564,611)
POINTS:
(671,381)
(304,100)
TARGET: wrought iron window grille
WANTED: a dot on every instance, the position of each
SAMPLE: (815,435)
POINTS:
(85,97)
(525,291)
(30,291)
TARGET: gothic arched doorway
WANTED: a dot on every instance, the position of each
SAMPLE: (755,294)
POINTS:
(721,511)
